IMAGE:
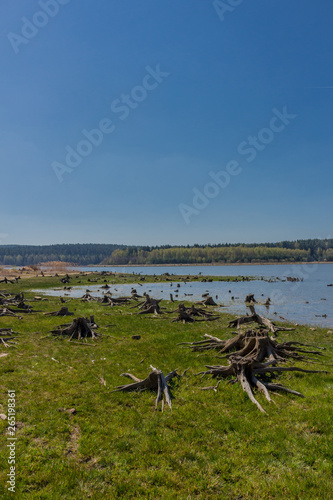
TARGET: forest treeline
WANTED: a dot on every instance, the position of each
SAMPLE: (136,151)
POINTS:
(92,254)
(287,251)
(81,254)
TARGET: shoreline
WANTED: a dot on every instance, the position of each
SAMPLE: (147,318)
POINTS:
(39,284)
(210,264)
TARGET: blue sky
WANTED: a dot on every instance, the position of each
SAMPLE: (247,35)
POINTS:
(218,78)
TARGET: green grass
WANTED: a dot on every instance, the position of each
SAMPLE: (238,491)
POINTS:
(210,446)
(119,278)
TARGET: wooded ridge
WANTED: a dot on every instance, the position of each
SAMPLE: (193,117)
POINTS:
(112,254)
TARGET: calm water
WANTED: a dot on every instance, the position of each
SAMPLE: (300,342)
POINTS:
(304,302)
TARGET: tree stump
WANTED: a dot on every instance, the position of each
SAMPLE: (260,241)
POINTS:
(155,381)
(62,312)
(80,328)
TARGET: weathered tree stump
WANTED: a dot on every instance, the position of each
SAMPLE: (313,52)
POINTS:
(114,301)
(249,299)
(247,370)
(256,318)
(208,301)
(183,316)
(155,381)
(254,344)
(149,305)
(88,298)
(62,312)
(189,315)
(80,328)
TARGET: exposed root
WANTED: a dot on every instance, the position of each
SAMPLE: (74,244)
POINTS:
(190,314)
(155,381)
(62,312)
(80,328)
(256,318)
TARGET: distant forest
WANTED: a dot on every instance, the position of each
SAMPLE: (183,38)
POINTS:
(92,254)
(82,254)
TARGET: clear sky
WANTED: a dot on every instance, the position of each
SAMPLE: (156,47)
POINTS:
(169,122)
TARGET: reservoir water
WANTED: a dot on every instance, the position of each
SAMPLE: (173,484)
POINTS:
(307,301)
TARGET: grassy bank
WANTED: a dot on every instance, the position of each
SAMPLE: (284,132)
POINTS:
(28,282)
(212,445)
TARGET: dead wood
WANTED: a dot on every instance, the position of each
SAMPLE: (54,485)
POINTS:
(256,318)
(88,298)
(247,370)
(252,356)
(23,307)
(6,281)
(184,317)
(113,301)
(7,331)
(62,312)
(254,344)
(149,305)
(80,328)
(190,314)
(229,345)
(155,381)
(249,299)
(14,300)
(195,311)
(135,295)
(7,341)
(6,311)
(208,301)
